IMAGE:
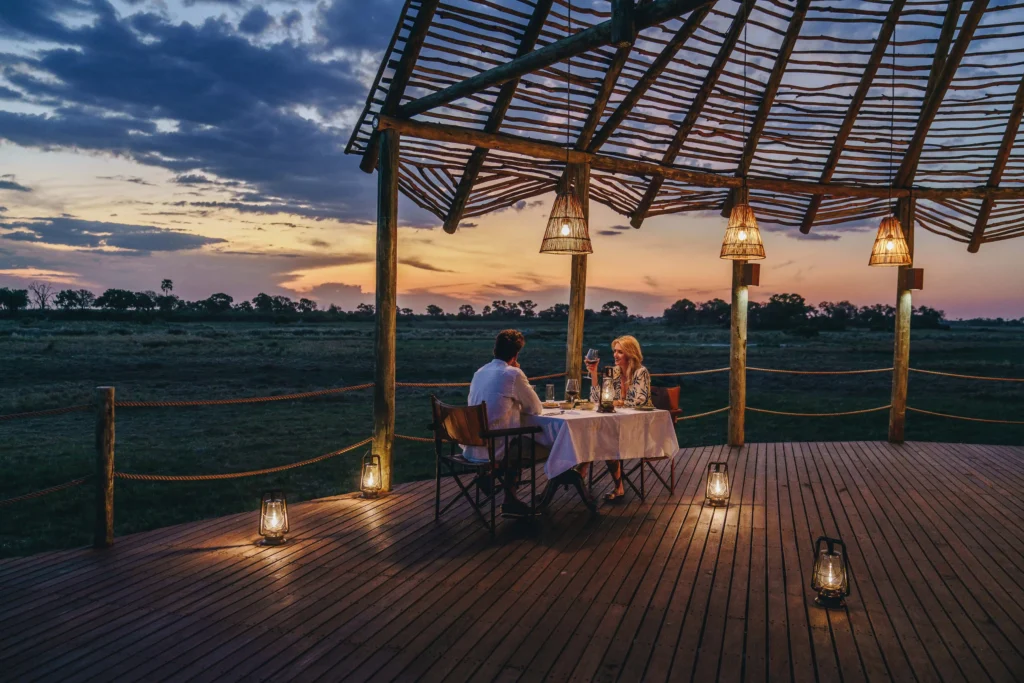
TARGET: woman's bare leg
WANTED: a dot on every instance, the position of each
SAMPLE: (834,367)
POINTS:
(615,468)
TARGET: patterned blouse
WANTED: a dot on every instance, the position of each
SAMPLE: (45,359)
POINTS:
(639,392)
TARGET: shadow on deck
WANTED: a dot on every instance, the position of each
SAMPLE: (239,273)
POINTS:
(667,589)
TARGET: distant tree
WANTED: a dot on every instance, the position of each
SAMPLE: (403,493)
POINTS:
(837,316)
(877,317)
(145,301)
(306,306)
(41,293)
(334,309)
(166,286)
(682,312)
(244,307)
(116,300)
(505,309)
(13,299)
(465,312)
(66,299)
(86,299)
(783,312)
(283,304)
(556,312)
(713,312)
(435,311)
(168,302)
(928,318)
(264,303)
(405,313)
(486,312)
(615,309)
(218,303)
(365,311)
(527,307)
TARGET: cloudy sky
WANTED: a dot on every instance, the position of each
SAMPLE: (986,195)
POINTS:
(202,141)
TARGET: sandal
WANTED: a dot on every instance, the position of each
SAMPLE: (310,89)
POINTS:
(614,497)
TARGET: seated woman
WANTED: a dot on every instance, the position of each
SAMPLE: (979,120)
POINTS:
(632,384)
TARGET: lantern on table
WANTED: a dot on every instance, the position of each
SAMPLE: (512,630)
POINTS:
(831,574)
(370,481)
(273,518)
(717,492)
(607,402)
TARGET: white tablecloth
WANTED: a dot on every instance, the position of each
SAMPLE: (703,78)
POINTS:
(577,436)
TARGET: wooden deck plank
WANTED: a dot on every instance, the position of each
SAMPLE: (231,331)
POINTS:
(665,589)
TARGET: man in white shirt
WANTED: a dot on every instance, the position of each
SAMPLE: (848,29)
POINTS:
(503,386)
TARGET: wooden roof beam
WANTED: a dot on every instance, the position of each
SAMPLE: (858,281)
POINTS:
(877,53)
(655,70)
(645,16)
(693,113)
(771,88)
(996,175)
(400,79)
(536,149)
(495,119)
(933,97)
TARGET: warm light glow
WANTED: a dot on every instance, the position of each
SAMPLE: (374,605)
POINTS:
(608,390)
(718,486)
(273,518)
(890,245)
(743,235)
(831,571)
(565,230)
(717,492)
(371,478)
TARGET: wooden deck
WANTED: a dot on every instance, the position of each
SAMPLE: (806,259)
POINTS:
(663,590)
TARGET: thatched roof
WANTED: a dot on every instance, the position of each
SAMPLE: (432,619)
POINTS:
(817,108)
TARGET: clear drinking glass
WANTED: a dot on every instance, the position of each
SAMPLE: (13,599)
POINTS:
(572,390)
(549,393)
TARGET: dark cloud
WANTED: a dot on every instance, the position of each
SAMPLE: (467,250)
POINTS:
(292,18)
(345,296)
(75,232)
(423,265)
(621,227)
(609,233)
(7,182)
(319,244)
(256,21)
(125,179)
(357,24)
(193,3)
(8,94)
(468,224)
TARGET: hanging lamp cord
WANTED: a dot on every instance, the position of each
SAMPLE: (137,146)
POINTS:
(892,115)
(568,78)
(746,22)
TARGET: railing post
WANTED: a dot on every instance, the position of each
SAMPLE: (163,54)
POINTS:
(103,533)
(901,339)
(738,355)
(578,175)
(387,284)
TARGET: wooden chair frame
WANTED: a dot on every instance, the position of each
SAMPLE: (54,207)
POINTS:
(456,466)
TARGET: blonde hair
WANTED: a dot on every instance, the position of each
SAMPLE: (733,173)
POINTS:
(630,347)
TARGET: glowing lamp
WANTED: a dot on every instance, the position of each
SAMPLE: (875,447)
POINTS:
(890,248)
(830,577)
(742,240)
(607,403)
(567,231)
(370,481)
(273,518)
(717,492)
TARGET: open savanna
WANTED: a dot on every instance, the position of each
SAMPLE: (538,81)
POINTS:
(54,364)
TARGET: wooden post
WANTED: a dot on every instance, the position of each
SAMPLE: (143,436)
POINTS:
(901,340)
(103,532)
(387,283)
(578,175)
(738,356)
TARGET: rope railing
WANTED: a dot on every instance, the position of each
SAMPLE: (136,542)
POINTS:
(963,417)
(839,414)
(696,415)
(424,439)
(46,413)
(133,476)
(688,373)
(234,401)
(430,385)
(958,376)
(44,492)
(820,372)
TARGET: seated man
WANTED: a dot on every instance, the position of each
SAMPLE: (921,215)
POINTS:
(503,386)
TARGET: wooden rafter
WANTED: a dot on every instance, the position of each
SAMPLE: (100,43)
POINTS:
(933,98)
(853,111)
(645,16)
(400,79)
(650,76)
(693,113)
(547,151)
(996,175)
(771,89)
(494,119)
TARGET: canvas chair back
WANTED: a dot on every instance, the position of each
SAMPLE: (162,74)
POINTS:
(460,424)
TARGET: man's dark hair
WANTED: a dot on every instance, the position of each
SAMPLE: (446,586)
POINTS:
(508,343)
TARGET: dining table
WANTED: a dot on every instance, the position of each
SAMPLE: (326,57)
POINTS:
(577,436)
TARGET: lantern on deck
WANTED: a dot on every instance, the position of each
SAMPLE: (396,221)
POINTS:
(890,247)
(831,574)
(607,402)
(370,480)
(273,518)
(717,492)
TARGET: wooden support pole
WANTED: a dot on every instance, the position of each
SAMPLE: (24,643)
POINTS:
(738,356)
(578,175)
(387,284)
(901,340)
(623,29)
(103,531)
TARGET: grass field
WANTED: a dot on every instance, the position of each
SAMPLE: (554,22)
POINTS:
(49,365)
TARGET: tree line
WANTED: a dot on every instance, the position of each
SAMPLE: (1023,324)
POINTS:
(780,312)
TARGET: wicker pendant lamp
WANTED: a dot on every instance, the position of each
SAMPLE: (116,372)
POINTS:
(890,248)
(742,238)
(567,231)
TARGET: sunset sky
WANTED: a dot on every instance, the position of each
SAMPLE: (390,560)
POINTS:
(202,141)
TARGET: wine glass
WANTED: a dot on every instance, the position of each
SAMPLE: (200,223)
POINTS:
(591,357)
(572,391)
